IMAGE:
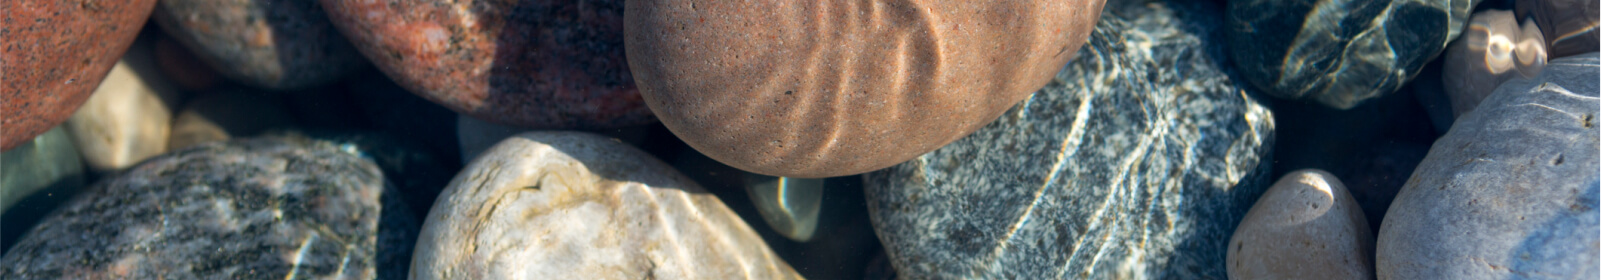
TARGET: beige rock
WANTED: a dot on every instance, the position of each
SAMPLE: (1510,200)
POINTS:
(814,89)
(1307,226)
(219,116)
(126,121)
(548,205)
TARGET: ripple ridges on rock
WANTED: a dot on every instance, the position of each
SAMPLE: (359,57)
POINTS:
(1138,161)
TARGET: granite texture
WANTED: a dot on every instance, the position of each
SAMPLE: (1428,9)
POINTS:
(1138,161)
(268,208)
(532,64)
(55,52)
(126,121)
(577,205)
(1570,25)
(832,88)
(1307,226)
(1511,192)
(1494,49)
(275,44)
(1339,52)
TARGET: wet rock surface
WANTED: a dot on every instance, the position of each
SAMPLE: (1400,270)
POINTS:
(266,208)
(1306,226)
(1131,164)
(275,44)
(569,204)
(1339,52)
(1571,26)
(1515,178)
(56,53)
(833,88)
(1493,49)
(529,64)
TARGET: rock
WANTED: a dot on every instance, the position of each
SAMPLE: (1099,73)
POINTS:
(1494,49)
(126,121)
(183,67)
(567,204)
(49,161)
(834,88)
(55,54)
(1339,52)
(223,115)
(1570,25)
(1305,226)
(1511,192)
(266,208)
(275,44)
(1138,161)
(417,174)
(529,64)
(789,205)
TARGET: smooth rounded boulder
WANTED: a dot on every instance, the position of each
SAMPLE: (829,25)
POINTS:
(55,54)
(1306,226)
(830,88)
(543,205)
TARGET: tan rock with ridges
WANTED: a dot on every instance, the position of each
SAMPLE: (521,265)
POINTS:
(831,88)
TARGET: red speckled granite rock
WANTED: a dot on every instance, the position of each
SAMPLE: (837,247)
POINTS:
(532,64)
(275,44)
(832,88)
(55,53)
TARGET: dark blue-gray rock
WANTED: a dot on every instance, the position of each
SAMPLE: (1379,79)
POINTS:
(274,44)
(1511,192)
(1138,161)
(266,208)
(1339,52)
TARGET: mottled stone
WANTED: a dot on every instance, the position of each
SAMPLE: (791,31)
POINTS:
(49,160)
(1511,192)
(126,121)
(1494,49)
(55,53)
(275,44)
(1138,161)
(1339,52)
(531,64)
(789,205)
(226,114)
(267,208)
(1305,227)
(831,88)
(1570,26)
(578,205)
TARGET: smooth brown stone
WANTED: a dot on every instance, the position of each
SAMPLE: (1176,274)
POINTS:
(535,64)
(831,88)
(55,53)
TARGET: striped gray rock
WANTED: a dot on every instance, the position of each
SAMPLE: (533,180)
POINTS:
(1138,161)
(269,208)
(1512,191)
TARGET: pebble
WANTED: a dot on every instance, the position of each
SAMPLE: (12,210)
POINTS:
(274,44)
(532,64)
(1306,226)
(126,121)
(1494,49)
(825,88)
(1339,52)
(226,114)
(267,208)
(56,53)
(580,205)
(1570,25)
(789,205)
(1138,161)
(1511,192)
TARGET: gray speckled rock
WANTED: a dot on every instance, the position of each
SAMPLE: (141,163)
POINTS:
(543,205)
(1138,161)
(1307,226)
(1511,192)
(276,44)
(1339,52)
(269,208)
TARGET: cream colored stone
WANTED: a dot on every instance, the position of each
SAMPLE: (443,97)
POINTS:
(1307,226)
(126,121)
(569,205)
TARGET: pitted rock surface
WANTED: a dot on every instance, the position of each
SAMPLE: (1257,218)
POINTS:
(830,88)
(55,53)
(1138,161)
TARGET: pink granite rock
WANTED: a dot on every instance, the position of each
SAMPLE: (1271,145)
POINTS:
(55,53)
